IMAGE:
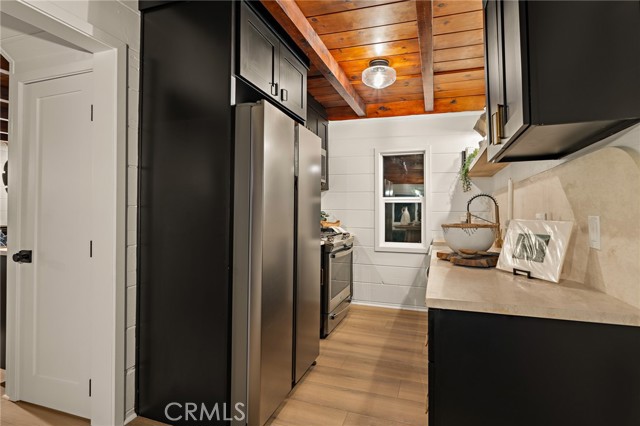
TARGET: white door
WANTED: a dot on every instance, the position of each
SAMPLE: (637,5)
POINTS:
(54,289)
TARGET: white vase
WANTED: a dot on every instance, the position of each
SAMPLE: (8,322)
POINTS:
(405,219)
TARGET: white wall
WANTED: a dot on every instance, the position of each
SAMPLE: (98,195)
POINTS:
(386,278)
(120,19)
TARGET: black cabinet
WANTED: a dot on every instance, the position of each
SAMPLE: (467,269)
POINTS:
(293,83)
(270,65)
(500,370)
(318,123)
(560,75)
(259,53)
(185,195)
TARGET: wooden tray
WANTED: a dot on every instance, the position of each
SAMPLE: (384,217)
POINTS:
(326,224)
(485,260)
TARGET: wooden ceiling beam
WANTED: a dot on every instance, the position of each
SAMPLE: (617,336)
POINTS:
(424,13)
(413,107)
(291,18)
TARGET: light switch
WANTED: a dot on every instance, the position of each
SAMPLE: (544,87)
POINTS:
(594,232)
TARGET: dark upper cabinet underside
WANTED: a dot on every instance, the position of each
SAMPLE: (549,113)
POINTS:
(560,75)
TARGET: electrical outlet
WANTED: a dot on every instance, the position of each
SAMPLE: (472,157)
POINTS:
(594,232)
(541,216)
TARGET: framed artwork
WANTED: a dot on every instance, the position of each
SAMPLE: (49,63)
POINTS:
(536,247)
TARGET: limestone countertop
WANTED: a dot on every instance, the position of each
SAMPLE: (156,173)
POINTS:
(499,292)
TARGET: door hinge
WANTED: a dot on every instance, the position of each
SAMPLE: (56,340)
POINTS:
(91,112)
(89,387)
(91,248)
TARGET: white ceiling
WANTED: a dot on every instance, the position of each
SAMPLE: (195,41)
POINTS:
(24,42)
(12,27)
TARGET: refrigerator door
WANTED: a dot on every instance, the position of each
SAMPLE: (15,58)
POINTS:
(307,343)
(263,260)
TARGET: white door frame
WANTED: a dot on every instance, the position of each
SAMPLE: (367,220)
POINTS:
(108,204)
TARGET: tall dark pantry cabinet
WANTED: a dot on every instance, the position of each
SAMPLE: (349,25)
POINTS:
(185,206)
(228,244)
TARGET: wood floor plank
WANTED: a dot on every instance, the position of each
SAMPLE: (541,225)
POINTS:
(382,353)
(353,380)
(387,341)
(383,328)
(329,359)
(141,421)
(388,368)
(25,414)
(383,407)
(413,391)
(354,419)
(294,412)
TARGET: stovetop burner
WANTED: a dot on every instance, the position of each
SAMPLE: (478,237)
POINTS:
(333,238)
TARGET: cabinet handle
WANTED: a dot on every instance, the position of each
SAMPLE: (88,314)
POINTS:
(284,95)
(497,121)
(274,89)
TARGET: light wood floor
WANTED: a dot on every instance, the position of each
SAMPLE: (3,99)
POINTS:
(372,371)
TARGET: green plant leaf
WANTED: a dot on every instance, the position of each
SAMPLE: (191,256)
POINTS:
(464,171)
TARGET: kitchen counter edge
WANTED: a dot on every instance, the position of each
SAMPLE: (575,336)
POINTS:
(499,292)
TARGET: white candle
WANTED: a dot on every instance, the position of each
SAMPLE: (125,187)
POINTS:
(509,201)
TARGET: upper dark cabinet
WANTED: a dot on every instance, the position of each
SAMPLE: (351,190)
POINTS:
(269,65)
(259,53)
(293,83)
(561,75)
(318,123)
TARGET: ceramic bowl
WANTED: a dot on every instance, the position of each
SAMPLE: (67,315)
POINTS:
(469,236)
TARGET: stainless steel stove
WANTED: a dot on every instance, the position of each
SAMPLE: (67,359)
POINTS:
(337,278)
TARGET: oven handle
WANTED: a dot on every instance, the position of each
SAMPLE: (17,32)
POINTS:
(335,314)
(342,253)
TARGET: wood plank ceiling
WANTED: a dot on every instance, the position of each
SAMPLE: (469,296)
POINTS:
(357,31)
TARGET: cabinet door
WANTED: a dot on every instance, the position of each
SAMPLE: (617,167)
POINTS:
(259,53)
(514,38)
(323,132)
(493,46)
(311,122)
(293,83)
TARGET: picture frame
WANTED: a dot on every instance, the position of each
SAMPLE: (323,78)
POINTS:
(536,247)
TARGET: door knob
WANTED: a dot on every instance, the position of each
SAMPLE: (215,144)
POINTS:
(23,256)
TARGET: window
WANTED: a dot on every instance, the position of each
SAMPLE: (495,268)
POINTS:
(401,211)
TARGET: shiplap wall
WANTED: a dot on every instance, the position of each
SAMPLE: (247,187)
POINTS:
(384,278)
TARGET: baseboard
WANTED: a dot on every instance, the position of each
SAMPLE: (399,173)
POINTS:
(130,417)
(389,305)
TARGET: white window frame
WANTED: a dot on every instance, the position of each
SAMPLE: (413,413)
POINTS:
(381,244)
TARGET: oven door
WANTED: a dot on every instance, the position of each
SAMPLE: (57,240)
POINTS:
(340,276)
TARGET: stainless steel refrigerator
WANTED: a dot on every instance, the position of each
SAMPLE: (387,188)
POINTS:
(276,258)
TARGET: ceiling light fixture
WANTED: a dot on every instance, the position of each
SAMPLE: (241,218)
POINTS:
(379,74)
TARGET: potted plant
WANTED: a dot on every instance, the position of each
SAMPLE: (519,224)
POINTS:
(464,170)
